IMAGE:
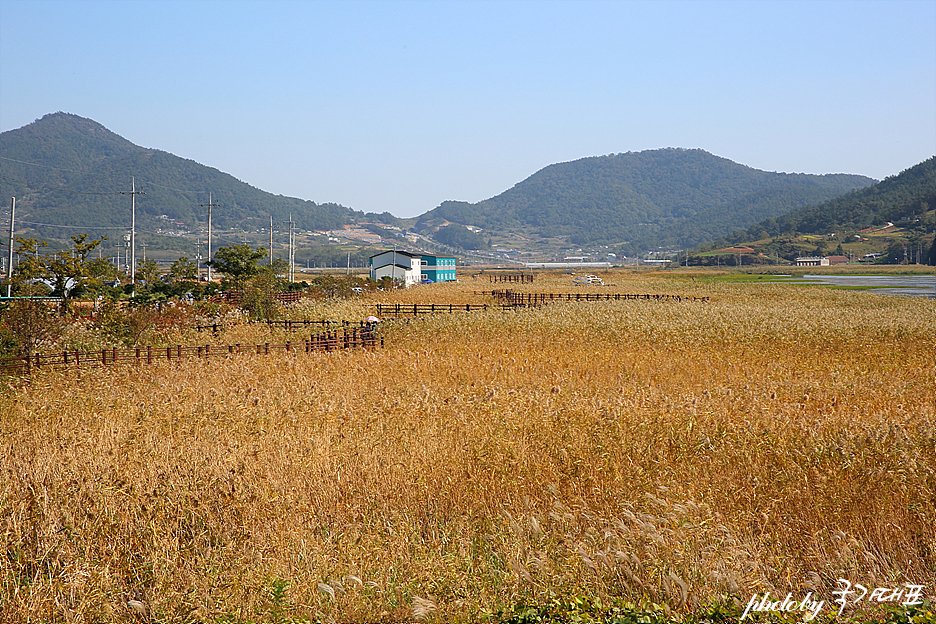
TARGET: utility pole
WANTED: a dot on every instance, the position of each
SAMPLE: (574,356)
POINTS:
(271,240)
(291,273)
(9,288)
(208,254)
(133,193)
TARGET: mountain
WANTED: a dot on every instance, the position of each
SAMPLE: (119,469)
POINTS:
(652,198)
(67,170)
(896,199)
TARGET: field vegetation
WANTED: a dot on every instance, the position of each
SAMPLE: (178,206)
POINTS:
(672,455)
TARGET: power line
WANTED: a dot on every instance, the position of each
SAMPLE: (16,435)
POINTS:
(76,227)
(23,162)
(52,188)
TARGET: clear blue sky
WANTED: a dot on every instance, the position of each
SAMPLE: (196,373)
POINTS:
(400,105)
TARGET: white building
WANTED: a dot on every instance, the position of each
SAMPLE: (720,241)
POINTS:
(401,266)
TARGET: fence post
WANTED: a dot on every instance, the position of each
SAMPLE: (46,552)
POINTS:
(149,354)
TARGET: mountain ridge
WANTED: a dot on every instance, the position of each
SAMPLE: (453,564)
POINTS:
(670,196)
(83,168)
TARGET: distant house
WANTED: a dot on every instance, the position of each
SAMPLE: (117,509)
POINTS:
(401,266)
(812,261)
(833,260)
(437,269)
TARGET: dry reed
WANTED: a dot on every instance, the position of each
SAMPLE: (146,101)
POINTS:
(776,438)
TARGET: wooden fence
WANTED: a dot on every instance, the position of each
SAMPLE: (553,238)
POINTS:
(510,297)
(235,297)
(415,309)
(347,338)
(514,278)
(288,325)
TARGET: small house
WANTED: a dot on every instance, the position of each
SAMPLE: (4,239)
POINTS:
(437,268)
(812,261)
(400,266)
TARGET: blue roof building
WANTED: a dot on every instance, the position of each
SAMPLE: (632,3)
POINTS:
(437,269)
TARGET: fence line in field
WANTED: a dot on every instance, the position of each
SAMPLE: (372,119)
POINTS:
(347,338)
(518,278)
(288,325)
(520,298)
(415,309)
(235,297)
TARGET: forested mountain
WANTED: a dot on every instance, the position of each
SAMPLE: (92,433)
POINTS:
(651,198)
(65,170)
(899,198)
(68,170)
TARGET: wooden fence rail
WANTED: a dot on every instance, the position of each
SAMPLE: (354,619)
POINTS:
(348,338)
(415,309)
(521,298)
(517,278)
(288,325)
(235,297)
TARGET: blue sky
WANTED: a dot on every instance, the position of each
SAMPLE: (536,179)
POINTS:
(398,105)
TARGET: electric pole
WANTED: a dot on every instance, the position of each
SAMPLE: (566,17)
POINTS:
(9,288)
(291,273)
(208,253)
(133,193)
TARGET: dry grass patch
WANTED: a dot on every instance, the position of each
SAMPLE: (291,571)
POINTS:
(775,438)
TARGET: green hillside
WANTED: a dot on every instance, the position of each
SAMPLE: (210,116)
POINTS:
(659,197)
(896,199)
(67,170)
(893,220)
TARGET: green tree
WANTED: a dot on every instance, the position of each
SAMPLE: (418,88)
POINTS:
(183,270)
(68,271)
(238,263)
(148,271)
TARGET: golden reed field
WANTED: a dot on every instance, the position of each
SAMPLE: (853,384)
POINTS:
(776,438)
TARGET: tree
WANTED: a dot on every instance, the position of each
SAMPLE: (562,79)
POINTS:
(24,325)
(239,263)
(183,270)
(148,272)
(67,271)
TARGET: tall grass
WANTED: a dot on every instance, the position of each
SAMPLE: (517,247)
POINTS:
(776,438)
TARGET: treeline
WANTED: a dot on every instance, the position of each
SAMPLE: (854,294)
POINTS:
(461,237)
(83,167)
(908,200)
(659,197)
